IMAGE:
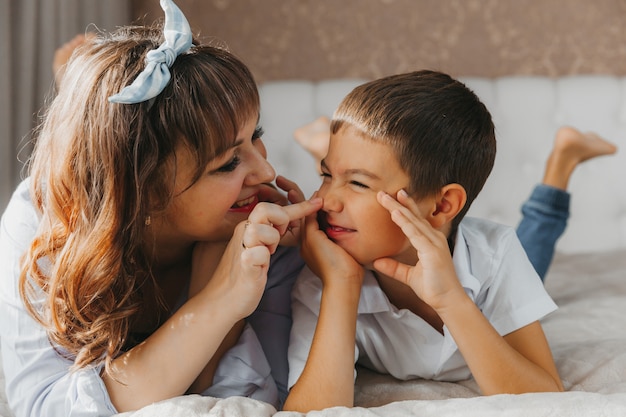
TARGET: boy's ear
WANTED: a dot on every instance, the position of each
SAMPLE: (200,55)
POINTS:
(448,204)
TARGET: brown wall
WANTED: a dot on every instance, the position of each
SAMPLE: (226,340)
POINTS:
(315,39)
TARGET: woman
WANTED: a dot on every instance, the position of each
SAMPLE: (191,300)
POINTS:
(137,251)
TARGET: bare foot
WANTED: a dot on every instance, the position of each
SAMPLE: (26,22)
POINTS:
(572,147)
(314,137)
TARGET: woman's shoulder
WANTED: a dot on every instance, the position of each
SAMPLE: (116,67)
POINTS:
(20,219)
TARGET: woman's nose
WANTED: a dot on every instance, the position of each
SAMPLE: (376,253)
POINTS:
(261,170)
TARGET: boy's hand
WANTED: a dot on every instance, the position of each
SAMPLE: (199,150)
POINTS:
(433,278)
(326,259)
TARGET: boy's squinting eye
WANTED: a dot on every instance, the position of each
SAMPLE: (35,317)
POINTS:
(359,184)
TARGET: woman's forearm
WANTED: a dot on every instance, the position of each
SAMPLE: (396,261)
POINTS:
(167,363)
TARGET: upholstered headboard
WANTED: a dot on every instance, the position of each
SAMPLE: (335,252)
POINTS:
(527,112)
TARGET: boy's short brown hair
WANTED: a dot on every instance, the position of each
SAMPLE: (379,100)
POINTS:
(440,131)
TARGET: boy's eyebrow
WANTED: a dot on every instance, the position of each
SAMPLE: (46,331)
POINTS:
(353,171)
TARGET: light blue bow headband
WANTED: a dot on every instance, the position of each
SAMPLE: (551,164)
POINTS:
(154,78)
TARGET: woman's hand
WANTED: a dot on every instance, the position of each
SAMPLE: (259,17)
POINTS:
(242,270)
(294,195)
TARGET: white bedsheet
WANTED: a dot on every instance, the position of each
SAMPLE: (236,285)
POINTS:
(587,335)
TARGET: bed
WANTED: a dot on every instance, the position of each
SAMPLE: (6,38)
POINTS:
(587,279)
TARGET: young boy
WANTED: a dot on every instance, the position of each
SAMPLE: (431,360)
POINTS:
(545,212)
(406,285)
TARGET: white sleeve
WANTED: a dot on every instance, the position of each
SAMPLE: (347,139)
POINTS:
(515,295)
(38,379)
(302,331)
(306,298)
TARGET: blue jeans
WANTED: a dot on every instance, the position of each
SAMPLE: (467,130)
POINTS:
(545,215)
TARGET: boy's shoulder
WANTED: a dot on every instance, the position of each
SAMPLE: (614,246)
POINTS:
(484,245)
(487,250)
(483,232)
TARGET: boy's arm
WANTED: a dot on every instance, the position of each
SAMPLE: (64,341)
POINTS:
(519,362)
(328,376)
(327,379)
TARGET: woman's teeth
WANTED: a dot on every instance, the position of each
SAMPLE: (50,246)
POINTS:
(242,203)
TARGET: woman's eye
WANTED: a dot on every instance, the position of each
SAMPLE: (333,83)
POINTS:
(230,165)
(258,133)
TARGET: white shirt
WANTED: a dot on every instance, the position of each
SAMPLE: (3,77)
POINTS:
(495,273)
(39,381)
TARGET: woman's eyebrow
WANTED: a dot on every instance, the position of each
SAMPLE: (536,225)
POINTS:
(236,143)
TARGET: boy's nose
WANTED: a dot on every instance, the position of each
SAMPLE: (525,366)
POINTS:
(332,199)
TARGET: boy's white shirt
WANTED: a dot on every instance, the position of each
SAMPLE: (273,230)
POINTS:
(493,269)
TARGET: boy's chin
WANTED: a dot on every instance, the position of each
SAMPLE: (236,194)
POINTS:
(365,262)
(369,266)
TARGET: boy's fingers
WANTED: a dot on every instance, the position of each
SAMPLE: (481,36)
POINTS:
(419,232)
(404,199)
(404,214)
(403,203)
(390,203)
(310,223)
(394,269)
(413,225)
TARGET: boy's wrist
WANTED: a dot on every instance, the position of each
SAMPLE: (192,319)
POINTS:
(349,288)
(453,303)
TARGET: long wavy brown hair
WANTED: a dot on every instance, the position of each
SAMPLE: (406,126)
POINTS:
(99,169)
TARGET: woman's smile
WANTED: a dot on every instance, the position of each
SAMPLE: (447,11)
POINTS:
(245,205)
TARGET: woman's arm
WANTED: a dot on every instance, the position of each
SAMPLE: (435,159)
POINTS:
(181,348)
(177,352)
